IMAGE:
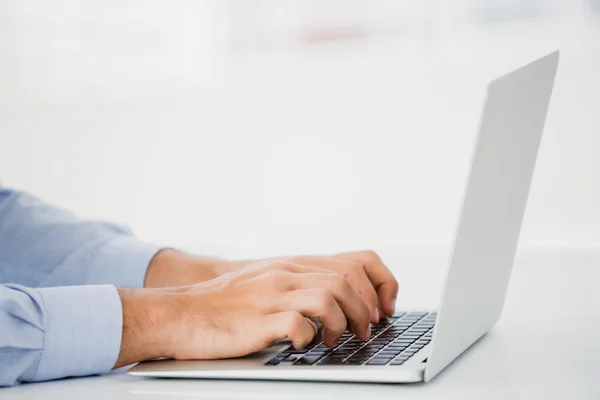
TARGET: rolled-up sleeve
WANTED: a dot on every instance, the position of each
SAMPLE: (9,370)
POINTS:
(58,332)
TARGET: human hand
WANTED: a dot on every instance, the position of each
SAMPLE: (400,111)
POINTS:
(364,269)
(240,312)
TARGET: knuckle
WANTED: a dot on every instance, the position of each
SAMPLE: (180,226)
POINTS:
(287,265)
(340,284)
(372,297)
(299,260)
(273,277)
(355,266)
(262,269)
(278,265)
(353,269)
(371,255)
(365,308)
(323,299)
(369,296)
(295,259)
(295,321)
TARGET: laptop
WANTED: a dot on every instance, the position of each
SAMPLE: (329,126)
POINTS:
(414,346)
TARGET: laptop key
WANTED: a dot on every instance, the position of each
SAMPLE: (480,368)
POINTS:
(316,354)
(356,342)
(358,361)
(397,349)
(342,354)
(328,361)
(382,342)
(373,346)
(393,341)
(395,332)
(363,357)
(291,350)
(307,360)
(352,361)
(336,355)
(378,362)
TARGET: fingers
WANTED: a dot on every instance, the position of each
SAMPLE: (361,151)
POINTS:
(354,272)
(314,303)
(289,325)
(381,277)
(280,268)
(335,303)
(351,303)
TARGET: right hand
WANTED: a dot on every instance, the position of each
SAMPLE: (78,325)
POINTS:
(240,313)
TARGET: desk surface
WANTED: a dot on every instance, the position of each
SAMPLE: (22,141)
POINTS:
(545,346)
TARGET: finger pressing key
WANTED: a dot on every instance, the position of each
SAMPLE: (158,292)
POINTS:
(313,303)
(289,325)
(351,303)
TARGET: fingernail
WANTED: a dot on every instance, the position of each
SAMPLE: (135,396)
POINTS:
(376,314)
(369,331)
(393,308)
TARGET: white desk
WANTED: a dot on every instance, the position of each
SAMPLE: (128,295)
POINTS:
(546,346)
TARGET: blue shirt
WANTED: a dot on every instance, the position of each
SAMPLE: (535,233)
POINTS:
(60,313)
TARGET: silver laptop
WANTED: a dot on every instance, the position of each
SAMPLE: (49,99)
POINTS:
(414,346)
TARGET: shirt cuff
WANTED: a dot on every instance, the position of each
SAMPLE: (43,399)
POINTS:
(83,327)
(123,262)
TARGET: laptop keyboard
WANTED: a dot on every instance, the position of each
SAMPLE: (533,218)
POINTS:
(393,341)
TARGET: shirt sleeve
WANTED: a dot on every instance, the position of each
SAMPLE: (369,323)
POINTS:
(60,312)
(43,246)
(58,332)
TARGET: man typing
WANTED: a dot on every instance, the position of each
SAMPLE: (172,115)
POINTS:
(81,297)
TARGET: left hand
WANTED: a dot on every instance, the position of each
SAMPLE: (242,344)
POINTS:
(364,270)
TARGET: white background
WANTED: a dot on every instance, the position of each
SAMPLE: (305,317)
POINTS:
(219,127)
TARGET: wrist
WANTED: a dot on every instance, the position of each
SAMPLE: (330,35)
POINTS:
(171,268)
(165,264)
(145,319)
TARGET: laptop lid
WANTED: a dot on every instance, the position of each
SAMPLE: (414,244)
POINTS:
(492,212)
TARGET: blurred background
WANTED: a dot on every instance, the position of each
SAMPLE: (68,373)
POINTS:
(257,127)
